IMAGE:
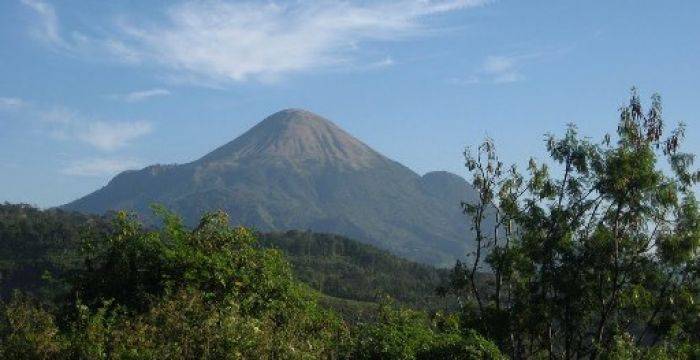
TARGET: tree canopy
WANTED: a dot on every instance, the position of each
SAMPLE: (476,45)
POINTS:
(593,254)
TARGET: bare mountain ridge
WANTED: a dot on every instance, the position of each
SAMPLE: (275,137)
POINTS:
(299,135)
(297,170)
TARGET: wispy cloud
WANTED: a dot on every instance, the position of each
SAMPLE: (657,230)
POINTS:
(100,166)
(137,96)
(110,136)
(56,115)
(469,80)
(65,124)
(47,28)
(387,61)
(11,103)
(503,69)
(500,69)
(233,41)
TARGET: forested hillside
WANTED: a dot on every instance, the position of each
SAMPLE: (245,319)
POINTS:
(210,292)
(344,268)
(37,243)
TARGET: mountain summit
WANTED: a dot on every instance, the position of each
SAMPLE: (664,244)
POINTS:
(298,170)
(301,136)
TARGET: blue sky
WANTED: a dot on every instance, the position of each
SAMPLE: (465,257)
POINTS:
(92,88)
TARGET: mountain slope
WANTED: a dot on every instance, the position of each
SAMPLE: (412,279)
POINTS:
(344,268)
(297,170)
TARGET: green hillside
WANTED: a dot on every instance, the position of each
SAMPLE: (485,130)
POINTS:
(36,243)
(344,268)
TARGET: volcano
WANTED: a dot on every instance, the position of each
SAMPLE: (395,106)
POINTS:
(298,170)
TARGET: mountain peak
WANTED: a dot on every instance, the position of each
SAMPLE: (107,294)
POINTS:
(295,120)
(298,135)
(295,114)
(297,170)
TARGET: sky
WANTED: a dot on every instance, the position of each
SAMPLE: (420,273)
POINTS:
(89,89)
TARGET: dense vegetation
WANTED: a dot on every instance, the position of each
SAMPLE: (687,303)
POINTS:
(347,269)
(211,292)
(601,262)
(174,293)
(35,244)
(41,247)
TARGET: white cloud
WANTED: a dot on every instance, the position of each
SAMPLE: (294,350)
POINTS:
(65,124)
(498,64)
(502,69)
(11,103)
(469,80)
(61,123)
(387,61)
(109,136)
(58,115)
(142,95)
(230,41)
(47,29)
(100,166)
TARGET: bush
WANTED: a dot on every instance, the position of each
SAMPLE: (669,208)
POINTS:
(176,294)
(27,331)
(471,346)
(407,334)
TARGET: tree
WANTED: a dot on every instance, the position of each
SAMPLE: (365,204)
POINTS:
(27,331)
(405,334)
(606,250)
(175,293)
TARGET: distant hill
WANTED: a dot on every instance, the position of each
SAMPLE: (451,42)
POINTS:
(297,170)
(36,243)
(347,269)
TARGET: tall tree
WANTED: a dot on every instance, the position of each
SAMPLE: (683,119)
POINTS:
(602,255)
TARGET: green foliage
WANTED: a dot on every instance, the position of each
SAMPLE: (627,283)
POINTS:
(624,347)
(57,243)
(186,325)
(600,262)
(27,331)
(37,248)
(176,293)
(220,262)
(400,333)
(397,334)
(347,269)
(470,346)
